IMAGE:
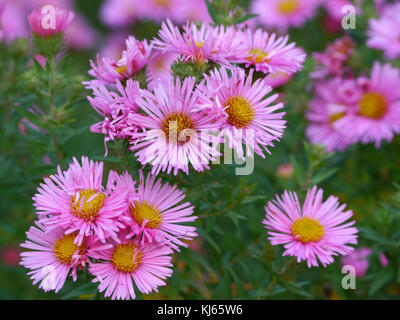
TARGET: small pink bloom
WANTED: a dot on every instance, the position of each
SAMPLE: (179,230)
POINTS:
(10,255)
(383,259)
(285,170)
(49,20)
(359,260)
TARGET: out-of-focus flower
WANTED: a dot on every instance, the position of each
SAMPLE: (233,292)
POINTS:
(76,201)
(383,32)
(277,79)
(79,34)
(159,69)
(250,116)
(120,264)
(359,260)
(49,20)
(176,132)
(52,257)
(155,214)
(10,255)
(136,56)
(285,170)
(282,14)
(269,53)
(316,231)
(120,13)
(334,101)
(114,46)
(383,259)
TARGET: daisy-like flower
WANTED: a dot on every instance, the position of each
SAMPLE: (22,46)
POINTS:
(115,108)
(136,56)
(198,44)
(155,213)
(282,14)
(250,116)
(316,231)
(384,32)
(269,53)
(176,132)
(49,20)
(76,201)
(127,262)
(333,103)
(378,114)
(52,257)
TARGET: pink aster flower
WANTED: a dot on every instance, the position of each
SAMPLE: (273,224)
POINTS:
(316,231)
(49,20)
(156,214)
(359,260)
(277,79)
(269,53)
(176,132)
(282,14)
(120,13)
(76,201)
(378,113)
(249,115)
(122,264)
(384,32)
(136,56)
(199,44)
(159,69)
(333,103)
(115,108)
(52,257)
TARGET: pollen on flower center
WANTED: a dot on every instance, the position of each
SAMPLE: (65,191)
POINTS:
(64,248)
(288,6)
(336,116)
(307,229)
(127,257)
(372,105)
(87,203)
(142,210)
(121,70)
(177,125)
(240,111)
(257,55)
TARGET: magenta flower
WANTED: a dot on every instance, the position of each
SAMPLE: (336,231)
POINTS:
(316,231)
(383,32)
(269,53)
(76,201)
(134,58)
(53,256)
(333,103)
(49,20)
(148,265)
(359,260)
(249,116)
(282,14)
(176,132)
(155,213)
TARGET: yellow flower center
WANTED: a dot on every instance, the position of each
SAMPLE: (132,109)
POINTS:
(142,210)
(127,257)
(199,44)
(163,3)
(372,105)
(288,6)
(307,229)
(64,248)
(87,203)
(177,125)
(257,55)
(240,111)
(336,116)
(121,70)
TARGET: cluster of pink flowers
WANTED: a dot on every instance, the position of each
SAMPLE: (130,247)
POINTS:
(174,122)
(123,231)
(347,109)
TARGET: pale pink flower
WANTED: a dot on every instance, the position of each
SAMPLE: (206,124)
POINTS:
(334,101)
(76,201)
(383,259)
(176,132)
(134,58)
(156,213)
(52,257)
(121,264)
(318,230)
(250,116)
(40,21)
(10,255)
(79,34)
(159,69)
(269,53)
(359,260)
(120,13)
(384,32)
(277,79)
(282,14)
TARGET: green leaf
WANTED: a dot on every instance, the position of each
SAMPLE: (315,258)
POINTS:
(381,279)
